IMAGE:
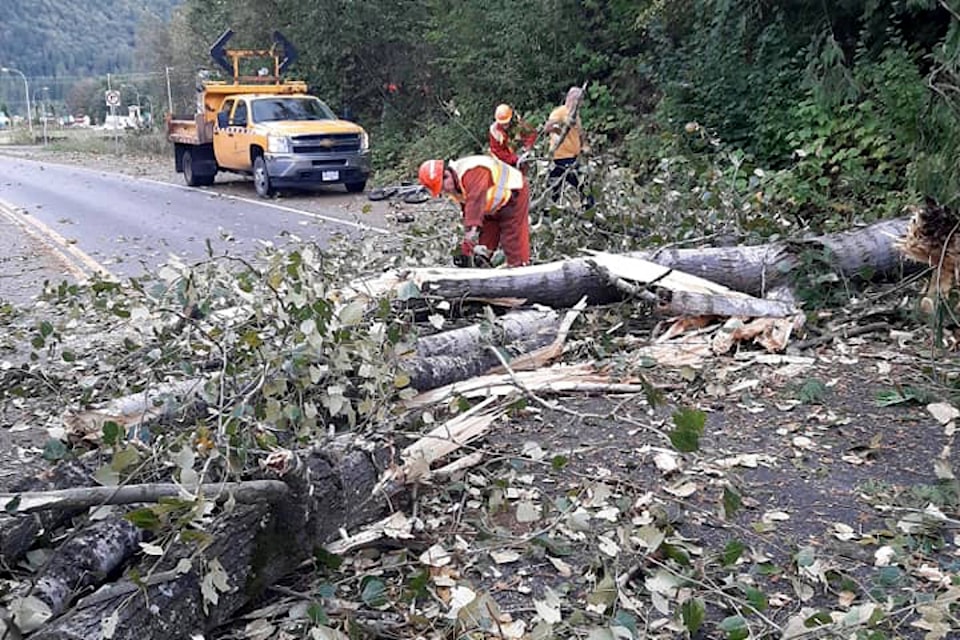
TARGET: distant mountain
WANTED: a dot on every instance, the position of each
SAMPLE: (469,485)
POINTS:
(73,38)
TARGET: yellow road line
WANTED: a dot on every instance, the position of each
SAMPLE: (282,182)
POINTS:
(79,264)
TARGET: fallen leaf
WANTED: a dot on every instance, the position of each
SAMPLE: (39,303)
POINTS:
(505,557)
(435,556)
(943,412)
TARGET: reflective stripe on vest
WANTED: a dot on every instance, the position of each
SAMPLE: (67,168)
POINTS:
(505,178)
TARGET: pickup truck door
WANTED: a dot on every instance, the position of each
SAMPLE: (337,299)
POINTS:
(243,135)
(224,138)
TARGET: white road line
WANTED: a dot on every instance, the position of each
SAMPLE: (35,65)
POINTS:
(280,207)
(78,263)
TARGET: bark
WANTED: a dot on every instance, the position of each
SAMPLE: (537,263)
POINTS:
(464,353)
(86,560)
(255,544)
(688,303)
(19,532)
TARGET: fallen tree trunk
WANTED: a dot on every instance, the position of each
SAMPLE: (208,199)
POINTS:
(253,546)
(754,270)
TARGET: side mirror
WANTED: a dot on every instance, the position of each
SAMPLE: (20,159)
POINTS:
(222,121)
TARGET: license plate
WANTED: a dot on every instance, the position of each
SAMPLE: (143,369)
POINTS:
(328,176)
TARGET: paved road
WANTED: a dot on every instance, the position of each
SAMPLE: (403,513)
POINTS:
(125,226)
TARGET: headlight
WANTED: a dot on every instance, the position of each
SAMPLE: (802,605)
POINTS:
(364,141)
(278,144)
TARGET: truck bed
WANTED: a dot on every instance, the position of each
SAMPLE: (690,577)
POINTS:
(190,131)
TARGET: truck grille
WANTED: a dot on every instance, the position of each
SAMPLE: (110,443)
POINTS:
(326,143)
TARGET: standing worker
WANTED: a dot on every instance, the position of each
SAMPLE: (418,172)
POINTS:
(566,142)
(508,135)
(494,198)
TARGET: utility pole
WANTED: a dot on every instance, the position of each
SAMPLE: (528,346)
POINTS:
(26,89)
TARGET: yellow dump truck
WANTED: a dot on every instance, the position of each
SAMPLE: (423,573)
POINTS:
(269,128)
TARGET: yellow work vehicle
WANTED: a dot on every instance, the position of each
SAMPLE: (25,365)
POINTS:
(269,128)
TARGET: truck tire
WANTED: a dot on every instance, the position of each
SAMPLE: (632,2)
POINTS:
(193,178)
(261,179)
(356,187)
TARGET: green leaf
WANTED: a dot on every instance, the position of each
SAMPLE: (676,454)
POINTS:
(605,593)
(374,593)
(628,621)
(757,598)
(693,612)
(326,559)
(812,391)
(326,590)
(111,433)
(144,519)
(558,462)
(732,552)
(54,450)
(317,614)
(818,619)
(124,459)
(731,502)
(806,556)
(903,395)
(735,627)
(46,329)
(689,427)
(408,290)
(416,586)
(12,505)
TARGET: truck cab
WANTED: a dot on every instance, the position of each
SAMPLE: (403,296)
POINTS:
(289,140)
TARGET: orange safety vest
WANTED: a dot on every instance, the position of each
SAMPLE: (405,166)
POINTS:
(505,178)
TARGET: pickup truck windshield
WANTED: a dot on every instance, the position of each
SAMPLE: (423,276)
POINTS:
(273,109)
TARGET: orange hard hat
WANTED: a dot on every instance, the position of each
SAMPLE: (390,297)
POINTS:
(503,114)
(431,176)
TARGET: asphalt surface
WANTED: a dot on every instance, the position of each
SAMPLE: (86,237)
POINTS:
(125,226)
(27,260)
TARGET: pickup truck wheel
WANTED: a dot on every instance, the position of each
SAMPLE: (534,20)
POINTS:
(356,187)
(261,179)
(188,175)
(193,178)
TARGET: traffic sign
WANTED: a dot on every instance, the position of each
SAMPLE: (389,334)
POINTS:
(113,98)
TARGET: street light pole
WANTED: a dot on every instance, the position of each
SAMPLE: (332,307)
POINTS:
(26,88)
(169,92)
(46,107)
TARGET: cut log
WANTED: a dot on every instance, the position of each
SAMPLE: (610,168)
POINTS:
(85,560)
(19,532)
(463,353)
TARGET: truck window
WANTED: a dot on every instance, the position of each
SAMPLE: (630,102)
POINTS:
(226,108)
(284,108)
(240,115)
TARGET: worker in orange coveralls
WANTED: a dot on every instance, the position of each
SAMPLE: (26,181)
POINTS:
(494,198)
(508,135)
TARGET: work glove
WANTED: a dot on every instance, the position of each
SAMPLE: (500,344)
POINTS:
(469,241)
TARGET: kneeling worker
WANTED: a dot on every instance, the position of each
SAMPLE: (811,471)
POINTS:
(494,198)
